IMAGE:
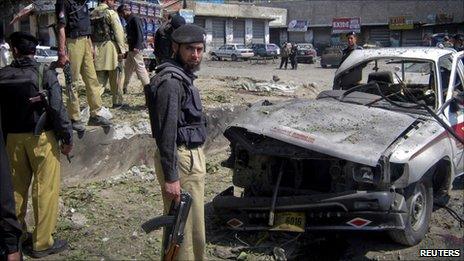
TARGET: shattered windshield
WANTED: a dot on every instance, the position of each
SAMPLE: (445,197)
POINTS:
(395,81)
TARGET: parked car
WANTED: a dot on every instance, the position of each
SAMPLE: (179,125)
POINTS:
(306,53)
(266,50)
(375,44)
(331,56)
(233,52)
(369,155)
(45,55)
(149,59)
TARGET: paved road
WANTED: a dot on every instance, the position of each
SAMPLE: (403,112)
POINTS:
(306,73)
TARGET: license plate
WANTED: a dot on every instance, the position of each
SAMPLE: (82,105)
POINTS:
(290,221)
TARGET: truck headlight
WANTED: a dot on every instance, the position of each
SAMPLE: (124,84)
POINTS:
(366,174)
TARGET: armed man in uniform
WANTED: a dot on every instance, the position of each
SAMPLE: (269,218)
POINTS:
(352,40)
(30,92)
(179,127)
(108,38)
(75,46)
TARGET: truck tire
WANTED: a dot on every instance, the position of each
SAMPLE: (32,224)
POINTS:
(419,200)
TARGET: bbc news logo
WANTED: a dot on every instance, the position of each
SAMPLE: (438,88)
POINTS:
(440,253)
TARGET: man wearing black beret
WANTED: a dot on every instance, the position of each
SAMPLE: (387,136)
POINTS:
(29,91)
(352,40)
(179,128)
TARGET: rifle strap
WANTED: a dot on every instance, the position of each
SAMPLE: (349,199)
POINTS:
(40,77)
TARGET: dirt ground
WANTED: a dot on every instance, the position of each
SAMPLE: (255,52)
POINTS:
(101,218)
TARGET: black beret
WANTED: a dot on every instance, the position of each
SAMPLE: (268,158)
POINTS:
(25,42)
(351,33)
(177,21)
(189,33)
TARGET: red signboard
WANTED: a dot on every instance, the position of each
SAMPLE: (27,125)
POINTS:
(346,24)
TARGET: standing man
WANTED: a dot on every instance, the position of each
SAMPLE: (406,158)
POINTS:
(73,22)
(163,42)
(179,127)
(27,91)
(108,37)
(293,54)
(352,40)
(134,59)
(284,53)
(458,42)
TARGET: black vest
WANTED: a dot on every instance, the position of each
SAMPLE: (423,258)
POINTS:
(19,114)
(78,19)
(191,123)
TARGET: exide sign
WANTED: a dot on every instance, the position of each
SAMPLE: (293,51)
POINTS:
(346,24)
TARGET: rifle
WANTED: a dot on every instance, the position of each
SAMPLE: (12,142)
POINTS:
(66,68)
(174,224)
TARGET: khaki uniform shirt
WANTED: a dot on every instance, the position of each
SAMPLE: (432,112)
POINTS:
(106,53)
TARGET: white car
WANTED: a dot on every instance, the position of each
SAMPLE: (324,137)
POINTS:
(233,52)
(370,155)
(44,54)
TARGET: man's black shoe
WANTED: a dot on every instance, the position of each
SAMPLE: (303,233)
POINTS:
(59,246)
(120,106)
(78,126)
(99,121)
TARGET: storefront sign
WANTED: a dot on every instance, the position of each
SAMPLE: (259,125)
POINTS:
(400,23)
(346,24)
(151,11)
(188,15)
(298,26)
(134,8)
(143,10)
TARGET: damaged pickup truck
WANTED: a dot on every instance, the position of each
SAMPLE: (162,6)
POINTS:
(371,154)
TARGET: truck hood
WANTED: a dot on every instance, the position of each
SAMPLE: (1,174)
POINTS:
(349,131)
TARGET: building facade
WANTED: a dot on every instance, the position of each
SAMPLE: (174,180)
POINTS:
(389,22)
(236,23)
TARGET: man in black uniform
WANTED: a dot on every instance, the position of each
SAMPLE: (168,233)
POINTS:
(10,230)
(179,127)
(28,90)
(352,40)
(163,42)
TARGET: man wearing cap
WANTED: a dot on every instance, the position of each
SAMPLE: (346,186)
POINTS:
(163,42)
(108,37)
(28,90)
(134,58)
(179,128)
(352,40)
(75,46)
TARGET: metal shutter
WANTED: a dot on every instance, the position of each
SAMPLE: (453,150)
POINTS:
(296,37)
(239,31)
(200,21)
(258,31)
(381,35)
(412,37)
(219,33)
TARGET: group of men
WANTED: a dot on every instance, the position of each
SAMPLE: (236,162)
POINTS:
(36,126)
(288,51)
(455,41)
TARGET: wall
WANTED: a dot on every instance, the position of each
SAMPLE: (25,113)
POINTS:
(371,11)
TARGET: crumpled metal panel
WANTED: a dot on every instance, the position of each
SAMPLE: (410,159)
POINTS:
(353,132)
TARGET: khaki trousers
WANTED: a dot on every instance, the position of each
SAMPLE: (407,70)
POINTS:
(81,57)
(115,86)
(192,170)
(134,62)
(36,159)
